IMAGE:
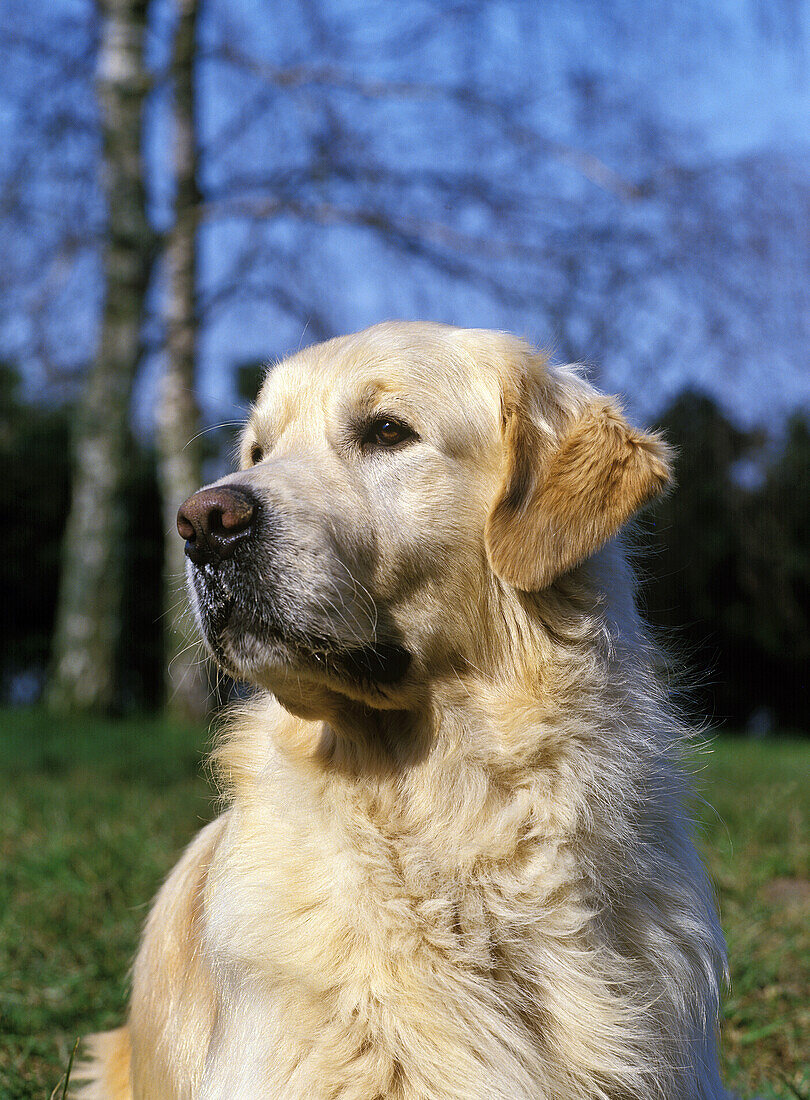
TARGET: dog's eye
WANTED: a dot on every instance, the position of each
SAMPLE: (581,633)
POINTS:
(256,453)
(386,432)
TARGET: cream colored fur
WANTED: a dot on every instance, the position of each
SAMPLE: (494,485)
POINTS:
(477,882)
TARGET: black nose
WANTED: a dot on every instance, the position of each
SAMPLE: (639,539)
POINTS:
(215,521)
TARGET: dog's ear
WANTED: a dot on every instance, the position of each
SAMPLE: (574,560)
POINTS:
(566,492)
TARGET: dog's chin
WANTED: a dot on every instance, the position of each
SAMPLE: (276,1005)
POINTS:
(303,667)
(259,645)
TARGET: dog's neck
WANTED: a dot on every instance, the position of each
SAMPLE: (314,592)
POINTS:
(492,753)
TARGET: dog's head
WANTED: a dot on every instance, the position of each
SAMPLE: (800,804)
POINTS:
(394,486)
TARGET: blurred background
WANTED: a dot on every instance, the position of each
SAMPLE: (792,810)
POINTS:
(190,189)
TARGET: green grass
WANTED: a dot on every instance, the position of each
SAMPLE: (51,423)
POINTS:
(755,838)
(150,750)
(95,814)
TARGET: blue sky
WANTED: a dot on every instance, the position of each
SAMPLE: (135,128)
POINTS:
(716,86)
(720,79)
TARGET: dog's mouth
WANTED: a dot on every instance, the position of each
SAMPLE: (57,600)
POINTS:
(379,663)
(246,641)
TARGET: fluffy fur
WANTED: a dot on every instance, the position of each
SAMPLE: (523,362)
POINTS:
(471,878)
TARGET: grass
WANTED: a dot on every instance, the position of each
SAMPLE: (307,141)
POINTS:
(95,814)
(83,846)
(755,837)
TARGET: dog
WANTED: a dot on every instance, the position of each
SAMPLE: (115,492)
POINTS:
(455,862)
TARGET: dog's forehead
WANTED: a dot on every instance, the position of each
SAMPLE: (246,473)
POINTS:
(435,369)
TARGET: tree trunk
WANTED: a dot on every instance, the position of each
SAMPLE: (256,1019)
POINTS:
(178,418)
(86,636)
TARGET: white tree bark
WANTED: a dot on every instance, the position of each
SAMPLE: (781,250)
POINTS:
(87,630)
(178,419)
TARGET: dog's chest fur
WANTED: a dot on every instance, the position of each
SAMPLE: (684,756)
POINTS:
(361,929)
(400,947)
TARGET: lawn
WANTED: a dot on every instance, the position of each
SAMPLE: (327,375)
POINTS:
(94,815)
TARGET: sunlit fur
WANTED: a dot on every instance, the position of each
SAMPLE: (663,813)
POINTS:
(477,883)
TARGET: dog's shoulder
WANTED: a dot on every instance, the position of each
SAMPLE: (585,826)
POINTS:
(174,1000)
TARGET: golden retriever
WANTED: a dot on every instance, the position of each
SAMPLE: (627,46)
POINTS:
(455,862)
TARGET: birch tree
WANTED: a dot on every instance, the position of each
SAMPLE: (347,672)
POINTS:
(178,418)
(88,616)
